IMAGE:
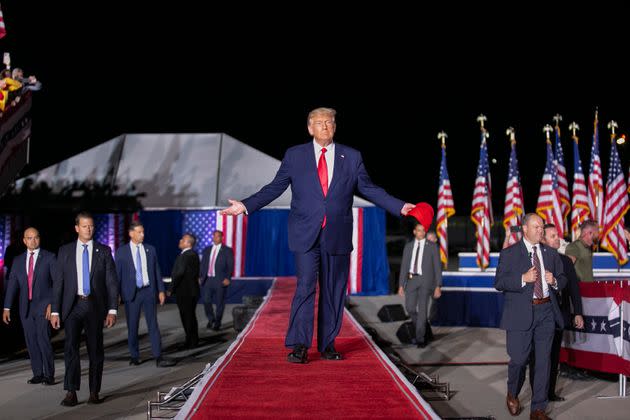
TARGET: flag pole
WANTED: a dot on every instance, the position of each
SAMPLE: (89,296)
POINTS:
(481,120)
(442,137)
(612,125)
(512,136)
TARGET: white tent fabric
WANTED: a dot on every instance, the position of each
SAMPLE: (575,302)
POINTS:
(174,171)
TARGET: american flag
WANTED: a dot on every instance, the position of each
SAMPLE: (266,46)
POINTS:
(480,213)
(617,205)
(446,208)
(3,29)
(549,204)
(595,180)
(111,229)
(513,198)
(202,223)
(580,211)
(563,184)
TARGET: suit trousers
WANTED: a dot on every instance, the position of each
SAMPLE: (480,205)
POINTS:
(332,273)
(144,300)
(519,346)
(187,306)
(214,292)
(417,295)
(84,315)
(37,335)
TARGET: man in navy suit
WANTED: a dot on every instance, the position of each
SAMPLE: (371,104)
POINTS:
(528,274)
(141,286)
(85,296)
(32,278)
(323,177)
(217,266)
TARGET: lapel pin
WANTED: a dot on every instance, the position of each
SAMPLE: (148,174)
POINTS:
(342,156)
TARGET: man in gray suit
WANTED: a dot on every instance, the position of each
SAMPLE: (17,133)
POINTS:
(420,272)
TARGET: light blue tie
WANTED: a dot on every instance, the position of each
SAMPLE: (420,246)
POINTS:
(138,268)
(86,271)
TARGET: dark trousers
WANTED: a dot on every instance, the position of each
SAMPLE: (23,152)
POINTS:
(84,315)
(187,306)
(332,273)
(37,336)
(417,295)
(554,360)
(145,300)
(519,346)
(214,292)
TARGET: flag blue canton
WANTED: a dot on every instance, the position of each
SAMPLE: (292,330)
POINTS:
(201,224)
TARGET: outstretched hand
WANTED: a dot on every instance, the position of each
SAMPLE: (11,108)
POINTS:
(236,208)
(407,208)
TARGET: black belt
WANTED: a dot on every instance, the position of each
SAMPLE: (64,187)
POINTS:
(83,297)
(143,287)
(413,275)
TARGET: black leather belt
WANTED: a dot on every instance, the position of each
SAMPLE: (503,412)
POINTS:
(83,297)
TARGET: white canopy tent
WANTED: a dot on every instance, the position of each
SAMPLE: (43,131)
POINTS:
(174,171)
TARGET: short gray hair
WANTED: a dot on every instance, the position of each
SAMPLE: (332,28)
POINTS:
(527,217)
(321,110)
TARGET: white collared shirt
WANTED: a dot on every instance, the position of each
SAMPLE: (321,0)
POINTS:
(330,157)
(79,262)
(213,252)
(530,252)
(143,261)
(28,257)
(417,243)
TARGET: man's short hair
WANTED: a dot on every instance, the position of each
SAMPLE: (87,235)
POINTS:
(321,110)
(82,215)
(589,223)
(548,226)
(218,231)
(193,238)
(133,225)
(527,217)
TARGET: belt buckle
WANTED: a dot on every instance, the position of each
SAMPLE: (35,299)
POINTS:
(410,276)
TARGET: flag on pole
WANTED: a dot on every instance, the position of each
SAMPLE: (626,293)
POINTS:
(3,29)
(617,204)
(549,204)
(480,213)
(446,207)
(595,180)
(513,197)
(580,211)
(563,184)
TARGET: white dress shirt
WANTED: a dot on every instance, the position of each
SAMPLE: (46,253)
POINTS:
(530,252)
(214,252)
(143,261)
(416,244)
(330,158)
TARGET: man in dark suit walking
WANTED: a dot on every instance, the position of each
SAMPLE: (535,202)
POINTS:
(141,286)
(185,287)
(420,276)
(217,266)
(85,296)
(323,176)
(32,280)
(528,275)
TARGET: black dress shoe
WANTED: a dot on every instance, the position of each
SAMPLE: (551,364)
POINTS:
(216,327)
(555,397)
(70,400)
(35,380)
(134,361)
(209,325)
(331,354)
(422,345)
(298,355)
(94,398)
(48,380)
(160,362)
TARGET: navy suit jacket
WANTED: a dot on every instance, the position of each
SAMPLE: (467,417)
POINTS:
(223,266)
(514,261)
(42,284)
(103,280)
(308,204)
(126,271)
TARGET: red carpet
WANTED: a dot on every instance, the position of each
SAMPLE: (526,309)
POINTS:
(254,380)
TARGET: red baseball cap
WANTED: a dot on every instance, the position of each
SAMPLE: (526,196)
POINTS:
(423,213)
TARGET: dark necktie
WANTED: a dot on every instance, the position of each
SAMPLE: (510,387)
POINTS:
(322,171)
(538,288)
(415,259)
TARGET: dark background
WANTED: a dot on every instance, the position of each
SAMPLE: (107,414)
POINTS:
(396,76)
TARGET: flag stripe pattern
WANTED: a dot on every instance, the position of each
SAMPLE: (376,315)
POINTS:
(580,209)
(446,208)
(549,203)
(563,184)
(480,213)
(595,180)
(513,199)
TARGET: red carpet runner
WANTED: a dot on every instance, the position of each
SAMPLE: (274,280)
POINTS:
(254,380)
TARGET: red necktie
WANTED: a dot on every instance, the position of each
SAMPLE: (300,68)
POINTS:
(212,260)
(322,171)
(31,262)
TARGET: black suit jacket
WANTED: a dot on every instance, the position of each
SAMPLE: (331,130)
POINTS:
(223,266)
(518,313)
(42,284)
(103,280)
(185,274)
(571,292)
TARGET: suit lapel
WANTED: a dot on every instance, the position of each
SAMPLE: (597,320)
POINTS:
(339,160)
(37,269)
(96,256)
(310,163)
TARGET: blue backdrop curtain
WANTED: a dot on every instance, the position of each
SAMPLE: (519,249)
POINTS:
(375,266)
(267,252)
(163,230)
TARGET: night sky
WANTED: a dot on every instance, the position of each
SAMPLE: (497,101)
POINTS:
(395,78)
